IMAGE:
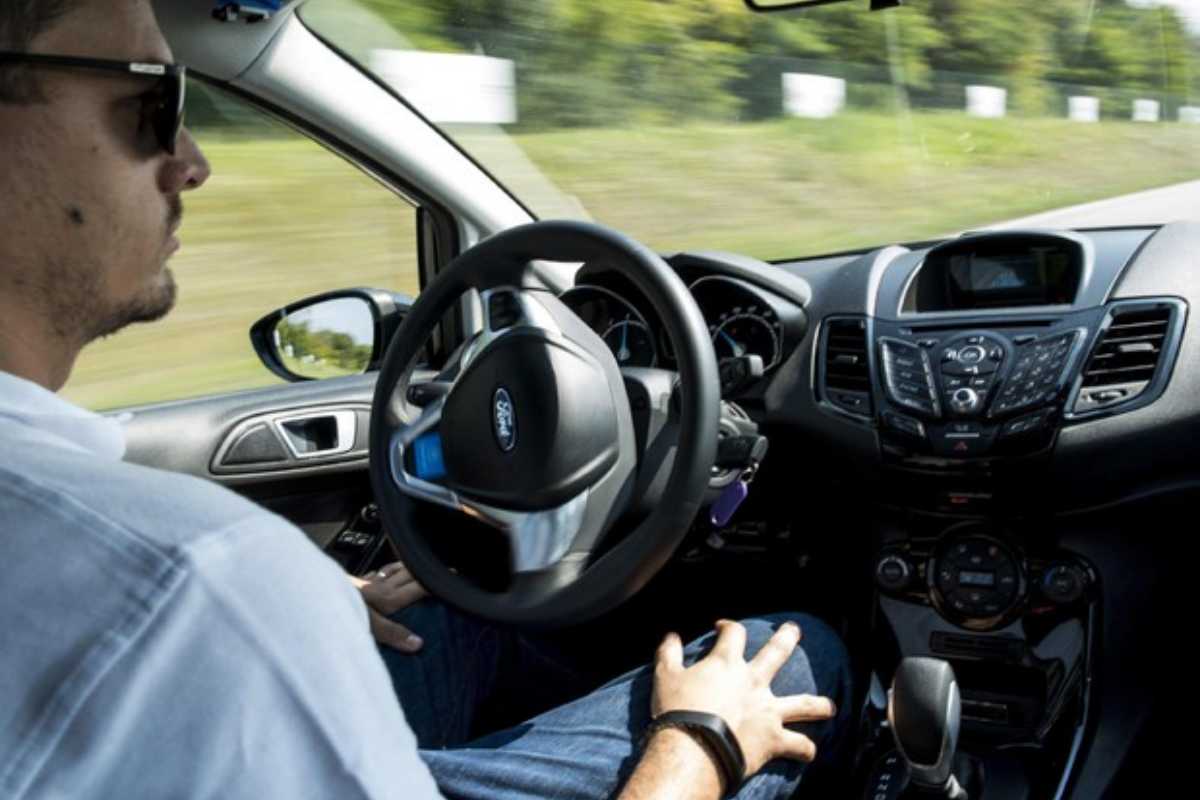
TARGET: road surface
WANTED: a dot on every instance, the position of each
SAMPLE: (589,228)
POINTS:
(1180,201)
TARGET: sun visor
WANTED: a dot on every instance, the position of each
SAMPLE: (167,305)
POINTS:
(220,39)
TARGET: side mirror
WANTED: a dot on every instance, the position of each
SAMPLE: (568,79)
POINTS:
(330,335)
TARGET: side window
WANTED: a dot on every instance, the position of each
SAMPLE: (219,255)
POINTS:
(281,218)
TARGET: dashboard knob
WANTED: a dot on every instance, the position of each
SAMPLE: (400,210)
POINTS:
(893,572)
(1063,583)
(964,401)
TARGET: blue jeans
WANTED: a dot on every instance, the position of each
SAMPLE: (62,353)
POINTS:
(585,748)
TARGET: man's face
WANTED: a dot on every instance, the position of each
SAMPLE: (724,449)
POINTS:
(89,206)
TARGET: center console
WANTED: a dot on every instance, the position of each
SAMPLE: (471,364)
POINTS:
(1016,619)
(968,371)
(995,343)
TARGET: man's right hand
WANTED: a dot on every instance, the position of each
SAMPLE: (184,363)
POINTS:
(387,591)
(725,684)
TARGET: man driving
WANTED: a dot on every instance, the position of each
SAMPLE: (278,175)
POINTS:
(166,637)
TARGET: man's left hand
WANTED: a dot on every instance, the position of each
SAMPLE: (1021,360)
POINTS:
(387,591)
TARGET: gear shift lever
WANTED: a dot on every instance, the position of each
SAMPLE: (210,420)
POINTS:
(924,711)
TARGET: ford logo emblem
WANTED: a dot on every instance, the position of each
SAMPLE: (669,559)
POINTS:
(504,420)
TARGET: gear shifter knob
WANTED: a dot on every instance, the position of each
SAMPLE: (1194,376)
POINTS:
(924,711)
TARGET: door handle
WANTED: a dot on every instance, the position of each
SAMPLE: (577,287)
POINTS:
(318,434)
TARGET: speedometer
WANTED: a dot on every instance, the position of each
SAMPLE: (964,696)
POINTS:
(744,331)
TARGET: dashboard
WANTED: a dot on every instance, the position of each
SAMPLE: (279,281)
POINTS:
(1001,424)
(968,374)
(750,320)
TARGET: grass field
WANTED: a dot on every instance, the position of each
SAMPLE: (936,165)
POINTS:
(282,219)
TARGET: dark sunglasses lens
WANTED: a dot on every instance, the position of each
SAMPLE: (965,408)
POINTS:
(168,117)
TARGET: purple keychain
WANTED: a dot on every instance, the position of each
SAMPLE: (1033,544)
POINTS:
(725,506)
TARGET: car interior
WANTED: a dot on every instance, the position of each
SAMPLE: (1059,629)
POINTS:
(975,451)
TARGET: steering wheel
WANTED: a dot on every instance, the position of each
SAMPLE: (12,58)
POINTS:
(534,429)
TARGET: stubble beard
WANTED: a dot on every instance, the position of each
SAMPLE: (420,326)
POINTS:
(151,305)
(75,301)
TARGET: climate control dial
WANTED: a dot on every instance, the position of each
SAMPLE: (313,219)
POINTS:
(976,580)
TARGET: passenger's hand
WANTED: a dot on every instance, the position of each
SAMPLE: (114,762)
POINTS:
(387,591)
(723,683)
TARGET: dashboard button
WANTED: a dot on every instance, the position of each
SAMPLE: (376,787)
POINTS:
(950,383)
(903,424)
(949,444)
(974,340)
(1026,424)
(981,383)
(971,355)
(851,401)
(949,354)
(927,344)
(905,362)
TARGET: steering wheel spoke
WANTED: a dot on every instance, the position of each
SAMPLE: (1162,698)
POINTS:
(537,539)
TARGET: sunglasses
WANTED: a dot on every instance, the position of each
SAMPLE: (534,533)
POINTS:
(162,109)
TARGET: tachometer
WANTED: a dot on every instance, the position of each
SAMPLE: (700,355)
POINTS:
(616,320)
(631,342)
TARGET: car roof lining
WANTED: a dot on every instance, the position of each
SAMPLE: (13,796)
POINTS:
(221,50)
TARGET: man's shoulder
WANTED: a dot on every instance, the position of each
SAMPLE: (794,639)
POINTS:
(125,577)
(163,510)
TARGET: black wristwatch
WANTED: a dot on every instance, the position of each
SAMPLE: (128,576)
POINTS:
(716,737)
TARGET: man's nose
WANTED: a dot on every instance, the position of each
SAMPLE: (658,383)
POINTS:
(188,169)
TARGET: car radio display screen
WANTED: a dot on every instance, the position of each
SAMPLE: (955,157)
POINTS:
(966,578)
(998,272)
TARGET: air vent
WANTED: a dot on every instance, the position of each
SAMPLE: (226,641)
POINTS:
(846,370)
(1126,357)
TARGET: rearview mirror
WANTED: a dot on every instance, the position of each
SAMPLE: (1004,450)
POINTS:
(784,5)
(330,335)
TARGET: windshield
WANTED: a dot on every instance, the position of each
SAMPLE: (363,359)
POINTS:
(696,124)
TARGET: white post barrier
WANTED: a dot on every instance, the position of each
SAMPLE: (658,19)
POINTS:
(989,102)
(813,96)
(1189,114)
(452,87)
(1145,110)
(1083,108)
